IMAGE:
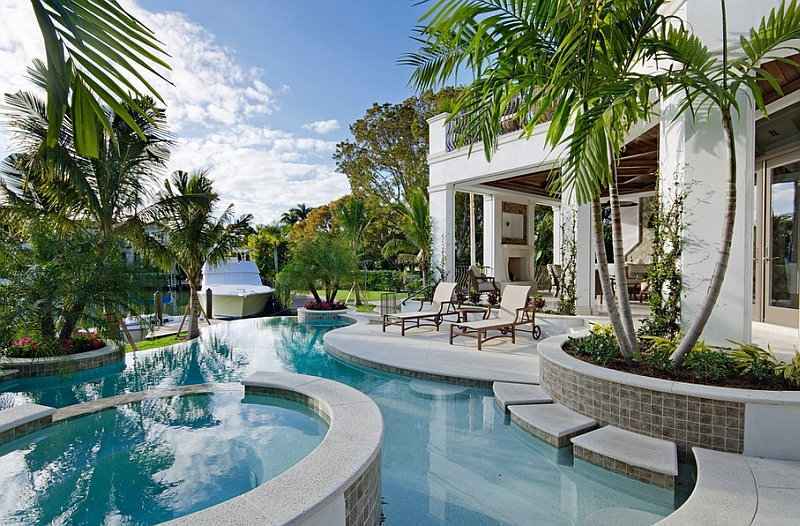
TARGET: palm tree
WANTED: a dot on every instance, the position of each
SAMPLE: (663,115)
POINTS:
(195,236)
(274,235)
(710,80)
(94,48)
(104,193)
(551,57)
(296,214)
(415,225)
(355,219)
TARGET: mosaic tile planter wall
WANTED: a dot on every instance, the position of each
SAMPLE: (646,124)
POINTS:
(687,414)
(304,315)
(37,367)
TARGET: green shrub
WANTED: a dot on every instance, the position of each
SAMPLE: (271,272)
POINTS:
(658,351)
(603,329)
(709,364)
(388,280)
(757,363)
(599,347)
(790,372)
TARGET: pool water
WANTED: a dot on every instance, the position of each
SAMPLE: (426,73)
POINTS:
(152,461)
(449,455)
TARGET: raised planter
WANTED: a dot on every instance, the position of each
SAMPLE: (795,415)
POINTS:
(306,315)
(755,423)
(71,363)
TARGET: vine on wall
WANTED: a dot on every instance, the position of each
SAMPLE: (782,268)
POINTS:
(665,277)
(569,259)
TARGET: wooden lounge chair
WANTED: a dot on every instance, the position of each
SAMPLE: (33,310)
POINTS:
(512,312)
(441,304)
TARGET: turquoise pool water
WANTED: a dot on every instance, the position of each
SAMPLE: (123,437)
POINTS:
(449,455)
(152,461)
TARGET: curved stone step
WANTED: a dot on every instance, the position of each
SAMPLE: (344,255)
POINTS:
(552,423)
(507,394)
(648,459)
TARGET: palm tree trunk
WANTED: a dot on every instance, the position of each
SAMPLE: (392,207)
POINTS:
(619,260)
(723,254)
(605,280)
(275,258)
(193,330)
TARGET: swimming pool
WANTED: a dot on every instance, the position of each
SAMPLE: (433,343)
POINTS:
(449,456)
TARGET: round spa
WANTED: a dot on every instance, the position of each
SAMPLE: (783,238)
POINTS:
(153,460)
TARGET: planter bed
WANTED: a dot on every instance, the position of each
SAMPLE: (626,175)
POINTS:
(756,423)
(69,363)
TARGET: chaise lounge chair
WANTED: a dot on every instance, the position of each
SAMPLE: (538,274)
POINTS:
(513,312)
(441,304)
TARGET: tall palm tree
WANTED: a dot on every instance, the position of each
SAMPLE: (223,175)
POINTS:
(94,48)
(195,236)
(415,225)
(296,214)
(711,80)
(274,234)
(355,219)
(550,57)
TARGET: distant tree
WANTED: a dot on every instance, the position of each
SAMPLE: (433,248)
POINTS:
(195,236)
(319,261)
(415,225)
(269,247)
(388,157)
(355,219)
(296,214)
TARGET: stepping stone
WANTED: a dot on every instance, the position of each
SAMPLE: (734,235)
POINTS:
(553,423)
(506,394)
(647,459)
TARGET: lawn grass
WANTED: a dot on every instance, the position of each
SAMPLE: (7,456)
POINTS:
(372,295)
(157,342)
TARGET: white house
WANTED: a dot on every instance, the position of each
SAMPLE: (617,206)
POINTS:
(762,279)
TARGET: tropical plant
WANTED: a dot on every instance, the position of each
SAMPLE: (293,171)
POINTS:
(552,58)
(754,361)
(52,283)
(94,49)
(708,81)
(355,219)
(415,225)
(320,261)
(790,371)
(185,209)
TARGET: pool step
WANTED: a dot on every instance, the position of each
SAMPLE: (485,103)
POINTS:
(552,423)
(508,394)
(643,458)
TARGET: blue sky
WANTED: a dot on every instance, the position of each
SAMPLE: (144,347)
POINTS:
(263,90)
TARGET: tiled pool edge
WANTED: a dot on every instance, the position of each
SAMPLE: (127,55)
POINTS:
(56,365)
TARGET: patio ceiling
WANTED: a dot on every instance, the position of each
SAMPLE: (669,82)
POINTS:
(639,162)
(636,170)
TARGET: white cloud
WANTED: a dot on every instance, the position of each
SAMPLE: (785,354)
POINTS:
(322,127)
(218,107)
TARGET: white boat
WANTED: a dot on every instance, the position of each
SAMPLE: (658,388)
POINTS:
(236,289)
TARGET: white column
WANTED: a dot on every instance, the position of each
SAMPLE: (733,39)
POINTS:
(557,235)
(581,234)
(442,209)
(492,220)
(694,155)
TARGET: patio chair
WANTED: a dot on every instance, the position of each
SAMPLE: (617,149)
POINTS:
(512,312)
(554,271)
(481,283)
(441,305)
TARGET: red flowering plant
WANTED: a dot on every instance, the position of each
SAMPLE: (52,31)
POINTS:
(29,348)
(325,305)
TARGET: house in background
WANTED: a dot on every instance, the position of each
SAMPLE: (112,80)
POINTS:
(762,278)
